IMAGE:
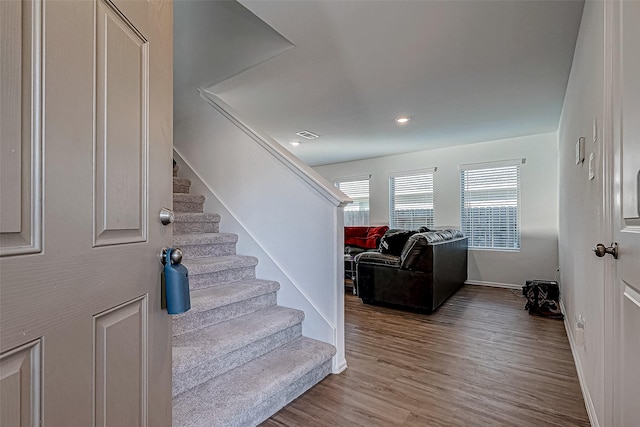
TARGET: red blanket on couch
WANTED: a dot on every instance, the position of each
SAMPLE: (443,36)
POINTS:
(363,236)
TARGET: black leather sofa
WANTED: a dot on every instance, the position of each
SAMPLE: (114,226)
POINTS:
(430,268)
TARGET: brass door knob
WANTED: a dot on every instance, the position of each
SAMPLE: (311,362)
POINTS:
(601,250)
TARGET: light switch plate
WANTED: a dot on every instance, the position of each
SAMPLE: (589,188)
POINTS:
(592,170)
(580,150)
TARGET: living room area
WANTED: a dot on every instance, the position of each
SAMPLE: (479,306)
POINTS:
(522,241)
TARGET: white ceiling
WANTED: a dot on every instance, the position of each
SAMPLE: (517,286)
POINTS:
(465,71)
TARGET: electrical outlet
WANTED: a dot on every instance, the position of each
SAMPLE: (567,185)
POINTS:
(579,337)
(579,330)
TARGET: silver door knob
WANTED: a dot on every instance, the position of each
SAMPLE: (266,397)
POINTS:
(601,250)
(176,255)
(166,216)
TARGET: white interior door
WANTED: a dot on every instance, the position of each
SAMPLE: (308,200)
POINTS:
(86,136)
(625,313)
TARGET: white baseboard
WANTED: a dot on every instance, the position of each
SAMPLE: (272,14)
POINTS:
(338,367)
(493,284)
(588,402)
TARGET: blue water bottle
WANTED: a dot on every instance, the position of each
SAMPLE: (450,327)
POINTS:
(176,283)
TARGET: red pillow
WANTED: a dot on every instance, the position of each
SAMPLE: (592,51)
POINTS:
(364,237)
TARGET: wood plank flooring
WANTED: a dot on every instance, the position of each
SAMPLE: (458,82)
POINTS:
(479,360)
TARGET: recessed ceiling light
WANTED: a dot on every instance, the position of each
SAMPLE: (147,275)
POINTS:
(295,143)
(306,134)
(402,120)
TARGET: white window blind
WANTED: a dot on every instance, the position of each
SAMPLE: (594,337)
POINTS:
(411,200)
(490,206)
(356,213)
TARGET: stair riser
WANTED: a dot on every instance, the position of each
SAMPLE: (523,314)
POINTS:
(293,391)
(188,207)
(181,185)
(195,227)
(178,188)
(192,320)
(214,249)
(219,277)
(304,383)
(203,373)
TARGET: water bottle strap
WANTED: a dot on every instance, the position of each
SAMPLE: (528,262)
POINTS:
(167,256)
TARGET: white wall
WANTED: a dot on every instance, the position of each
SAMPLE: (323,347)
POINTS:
(538,257)
(214,40)
(581,207)
(289,226)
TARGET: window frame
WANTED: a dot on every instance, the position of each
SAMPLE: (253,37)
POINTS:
(498,201)
(348,208)
(394,221)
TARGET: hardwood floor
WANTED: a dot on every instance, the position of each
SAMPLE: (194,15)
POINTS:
(479,360)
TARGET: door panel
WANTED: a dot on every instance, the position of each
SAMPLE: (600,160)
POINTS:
(629,171)
(630,372)
(91,296)
(122,63)
(20,126)
(625,356)
(20,386)
(13,29)
(120,393)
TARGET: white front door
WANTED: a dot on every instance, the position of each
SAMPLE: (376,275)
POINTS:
(624,356)
(86,136)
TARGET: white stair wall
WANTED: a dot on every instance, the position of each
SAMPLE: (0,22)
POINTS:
(316,291)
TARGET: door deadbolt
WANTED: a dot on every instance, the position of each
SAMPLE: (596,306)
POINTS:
(601,250)
(166,216)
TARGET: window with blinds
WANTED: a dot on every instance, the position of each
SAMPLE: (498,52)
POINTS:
(490,206)
(356,213)
(411,200)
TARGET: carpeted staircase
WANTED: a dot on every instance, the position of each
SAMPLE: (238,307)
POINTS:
(238,357)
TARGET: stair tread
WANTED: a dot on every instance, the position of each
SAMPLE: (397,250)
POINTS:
(196,217)
(204,238)
(205,265)
(217,401)
(196,348)
(228,293)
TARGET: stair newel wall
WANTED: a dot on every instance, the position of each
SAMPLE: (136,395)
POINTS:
(284,213)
